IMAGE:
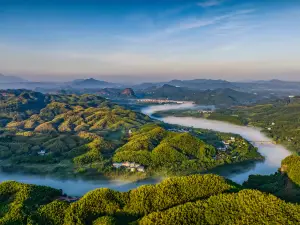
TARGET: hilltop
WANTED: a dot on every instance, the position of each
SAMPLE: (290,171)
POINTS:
(196,199)
(10,79)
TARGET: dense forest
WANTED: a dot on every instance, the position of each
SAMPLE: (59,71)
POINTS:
(222,97)
(195,199)
(84,135)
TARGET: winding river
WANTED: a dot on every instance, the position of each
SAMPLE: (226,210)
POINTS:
(238,173)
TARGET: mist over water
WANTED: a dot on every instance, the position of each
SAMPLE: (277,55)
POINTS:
(273,153)
(75,187)
(166,107)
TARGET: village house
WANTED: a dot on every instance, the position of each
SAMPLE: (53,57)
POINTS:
(117,165)
(126,164)
(226,143)
(205,111)
(42,152)
(132,166)
(141,169)
(222,148)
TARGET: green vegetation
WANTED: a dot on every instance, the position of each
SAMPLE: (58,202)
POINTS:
(195,199)
(222,97)
(245,207)
(66,133)
(162,150)
(283,184)
(222,115)
(278,119)
(18,200)
(227,118)
(82,135)
(22,203)
(291,166)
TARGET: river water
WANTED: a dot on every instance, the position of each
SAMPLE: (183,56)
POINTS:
(238,173)
(273,153)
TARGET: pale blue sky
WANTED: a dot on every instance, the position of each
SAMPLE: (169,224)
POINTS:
(139,40)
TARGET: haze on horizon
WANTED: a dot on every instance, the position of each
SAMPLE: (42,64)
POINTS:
(139,40)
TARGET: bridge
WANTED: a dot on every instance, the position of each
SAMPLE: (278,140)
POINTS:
(263,142)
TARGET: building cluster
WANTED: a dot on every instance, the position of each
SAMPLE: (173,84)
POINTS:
(7,94)
(182,130)
(226,144)
(132,166)
(42,152)
(205,111)
(269,128)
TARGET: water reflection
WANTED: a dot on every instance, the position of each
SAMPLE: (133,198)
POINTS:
(75,187)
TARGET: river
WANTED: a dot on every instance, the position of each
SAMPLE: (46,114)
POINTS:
(238,173)
(273,153)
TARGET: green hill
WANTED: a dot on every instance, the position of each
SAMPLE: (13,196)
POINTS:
(278,119)
(195,199)
(222,97)
(69,135)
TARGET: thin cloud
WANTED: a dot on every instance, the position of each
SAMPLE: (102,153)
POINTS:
(185,25)
(209,3)
(198,23)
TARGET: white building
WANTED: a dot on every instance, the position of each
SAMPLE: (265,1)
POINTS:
(42,152)
(141,169)
(117,165)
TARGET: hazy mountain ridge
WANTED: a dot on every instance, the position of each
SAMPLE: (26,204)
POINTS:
(219,97)
(278,87)
(273,87)
(10,79)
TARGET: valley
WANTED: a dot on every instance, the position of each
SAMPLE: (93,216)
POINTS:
(62,141)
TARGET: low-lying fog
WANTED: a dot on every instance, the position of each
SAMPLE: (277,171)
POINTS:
(273,153)
(75,187)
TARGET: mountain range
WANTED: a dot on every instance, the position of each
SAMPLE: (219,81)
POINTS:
(10,79)
(220,96)
(273,87)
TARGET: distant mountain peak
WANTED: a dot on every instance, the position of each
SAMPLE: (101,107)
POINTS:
(10,79)
(91,83)
(128,92)
(168,86)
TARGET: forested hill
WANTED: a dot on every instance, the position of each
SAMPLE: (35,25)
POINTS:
(279,119)
(70,131)
(196,199)
(218,97)
(85,134)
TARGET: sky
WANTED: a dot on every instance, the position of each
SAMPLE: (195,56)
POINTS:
(157,40)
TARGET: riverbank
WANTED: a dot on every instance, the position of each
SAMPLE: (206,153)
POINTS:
(273,154)
(238,172)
